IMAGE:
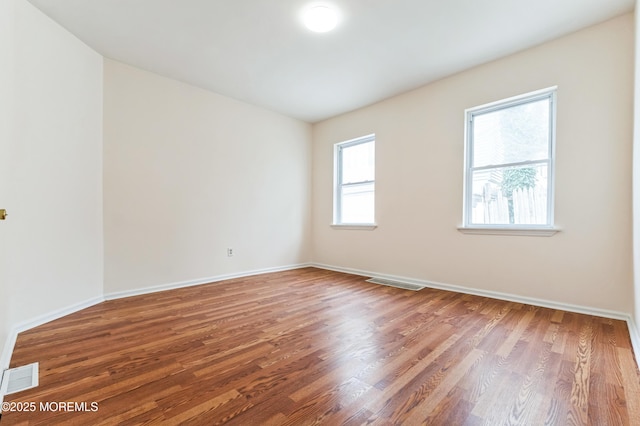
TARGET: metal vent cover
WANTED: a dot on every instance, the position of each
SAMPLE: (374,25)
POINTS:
(20,378)
(397,284)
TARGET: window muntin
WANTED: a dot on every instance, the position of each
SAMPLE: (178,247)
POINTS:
(509,163)
(355,181)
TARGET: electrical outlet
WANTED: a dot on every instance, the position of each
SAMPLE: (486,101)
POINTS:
(230,252)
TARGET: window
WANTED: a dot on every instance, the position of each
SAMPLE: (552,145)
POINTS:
(509,163)
(355,182)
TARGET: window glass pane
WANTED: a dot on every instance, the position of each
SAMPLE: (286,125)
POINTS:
(358,203)
(511,135)
(510,195)
(358,163)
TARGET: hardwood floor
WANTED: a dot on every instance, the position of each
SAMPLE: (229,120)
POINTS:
(317,347)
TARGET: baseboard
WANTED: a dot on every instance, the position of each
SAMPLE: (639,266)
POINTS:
(7,351)
(486,293)
(39,320)
(634,333)
(5,359)
(200,281)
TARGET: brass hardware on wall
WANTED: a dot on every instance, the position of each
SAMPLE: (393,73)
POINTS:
(3,214)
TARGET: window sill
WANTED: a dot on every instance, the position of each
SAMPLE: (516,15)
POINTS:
(355,226)
(525,232)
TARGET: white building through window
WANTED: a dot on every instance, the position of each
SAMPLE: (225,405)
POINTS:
(354,195)
(509,163)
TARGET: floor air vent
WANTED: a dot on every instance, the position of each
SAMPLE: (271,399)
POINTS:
(20,378)
(397,284)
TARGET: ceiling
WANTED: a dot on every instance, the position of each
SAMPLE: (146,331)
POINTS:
(258,51)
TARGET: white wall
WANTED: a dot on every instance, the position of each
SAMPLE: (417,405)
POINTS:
(7,71)
(419,178)
(636,183)
(189,173)
(53,180)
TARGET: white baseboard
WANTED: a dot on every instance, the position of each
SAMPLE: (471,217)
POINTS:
(200,281)
(10,342)
(634,332)
(5,357)
(39,320)
(486,293)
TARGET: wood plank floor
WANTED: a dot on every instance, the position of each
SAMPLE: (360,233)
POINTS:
(317,347)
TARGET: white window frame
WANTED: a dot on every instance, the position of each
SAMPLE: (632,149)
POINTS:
(338,185)
(547,229)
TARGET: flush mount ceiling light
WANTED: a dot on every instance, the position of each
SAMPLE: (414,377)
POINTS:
(320,18)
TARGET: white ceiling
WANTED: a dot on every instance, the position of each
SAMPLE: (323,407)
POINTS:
(258,51)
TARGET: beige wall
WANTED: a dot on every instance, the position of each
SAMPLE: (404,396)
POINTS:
(419,178)
(189,173)
(51,182)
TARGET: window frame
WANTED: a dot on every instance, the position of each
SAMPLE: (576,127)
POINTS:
(338,185)
(547,229)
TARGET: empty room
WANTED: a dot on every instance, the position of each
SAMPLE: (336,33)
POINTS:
(293,212)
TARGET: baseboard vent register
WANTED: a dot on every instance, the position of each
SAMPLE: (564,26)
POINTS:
(20,378)
(397,284)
